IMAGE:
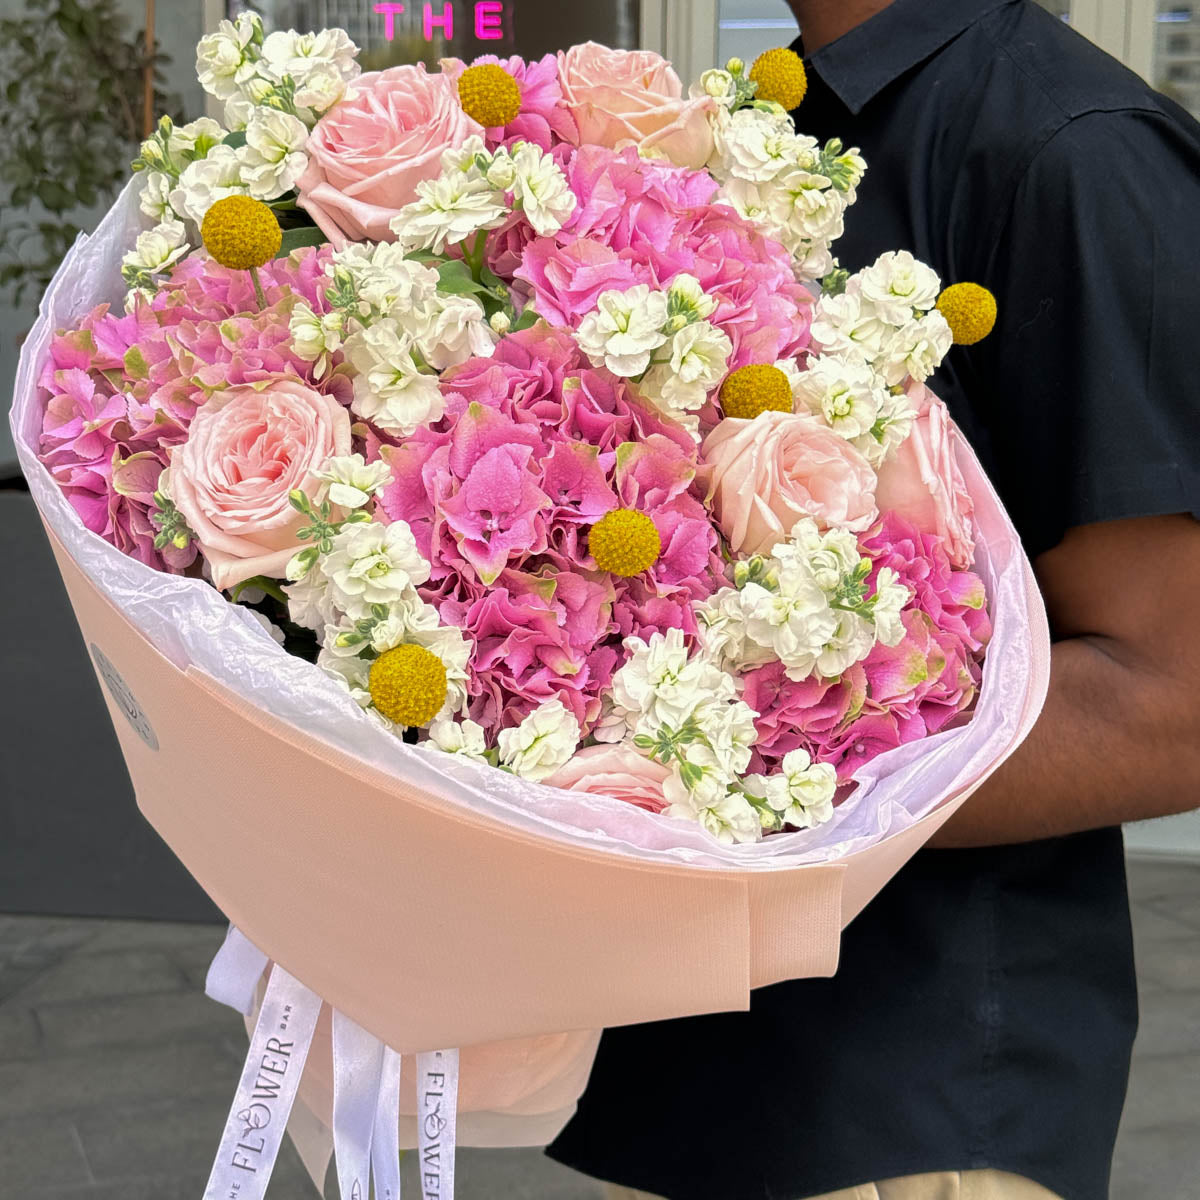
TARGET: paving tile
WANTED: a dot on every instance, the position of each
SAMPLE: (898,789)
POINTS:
(1169,1024)
(1164,1091)
(37,1153)
(169,936)
(1157,1164)
(94,976)
(134,1020)
(1183,907)
(106,1076)
(1152,924)
(1149,880)
(19,1034)
(1173,965)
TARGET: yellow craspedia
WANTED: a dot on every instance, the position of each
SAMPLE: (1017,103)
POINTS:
(408,685)
(970,311)
(625,542)
(241,233)
(780,76)
(756,389)
(489,95)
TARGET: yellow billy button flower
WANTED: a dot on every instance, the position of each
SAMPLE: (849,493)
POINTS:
(970,311)
(241,233)
(625,542)
(408,685)
(780,76)
(489,95)
(756,389)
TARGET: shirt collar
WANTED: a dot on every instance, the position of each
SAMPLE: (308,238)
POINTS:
(861,63)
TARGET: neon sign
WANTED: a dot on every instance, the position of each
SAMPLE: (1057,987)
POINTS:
(488,18)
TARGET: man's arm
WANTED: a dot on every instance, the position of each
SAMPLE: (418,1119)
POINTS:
(1119,738)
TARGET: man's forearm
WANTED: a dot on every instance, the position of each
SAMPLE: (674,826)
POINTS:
(1115,742)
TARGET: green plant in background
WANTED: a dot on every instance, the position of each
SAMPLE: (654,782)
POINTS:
(72,78)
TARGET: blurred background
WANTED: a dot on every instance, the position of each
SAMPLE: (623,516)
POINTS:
(115,1071)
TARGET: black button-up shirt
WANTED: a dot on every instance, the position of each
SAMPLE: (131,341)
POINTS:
(985,1006)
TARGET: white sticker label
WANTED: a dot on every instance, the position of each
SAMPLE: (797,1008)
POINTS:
(119,691)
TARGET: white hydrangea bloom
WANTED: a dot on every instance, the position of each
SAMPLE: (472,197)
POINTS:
(802,792)
(273,157)
(625,330)
(226,59)
(543,742)
(390,389)
(157,249)
(898,285)
(540,189)
(372,564)
(845,391)
(463,738)
(352,480)
(449,210)
(206,181)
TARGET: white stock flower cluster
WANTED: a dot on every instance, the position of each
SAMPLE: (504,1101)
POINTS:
(797,191)
(805,606)
(886,318)
(397,330)
(478,189)
(663,340)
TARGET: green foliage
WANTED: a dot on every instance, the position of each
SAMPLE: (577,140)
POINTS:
(71,78)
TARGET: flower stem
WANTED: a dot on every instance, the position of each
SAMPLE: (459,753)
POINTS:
(258,289)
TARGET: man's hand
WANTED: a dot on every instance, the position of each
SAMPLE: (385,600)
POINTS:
(1119,738)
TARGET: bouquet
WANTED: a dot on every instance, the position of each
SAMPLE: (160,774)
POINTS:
(513,429)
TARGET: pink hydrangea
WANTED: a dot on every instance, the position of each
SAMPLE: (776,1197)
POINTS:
(120,390)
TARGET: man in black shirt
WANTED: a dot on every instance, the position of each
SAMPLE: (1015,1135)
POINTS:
(975,1041)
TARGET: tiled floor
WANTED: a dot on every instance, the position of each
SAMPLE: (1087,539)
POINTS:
(116,1072)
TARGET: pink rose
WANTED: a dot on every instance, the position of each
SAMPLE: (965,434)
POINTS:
(247,448)
(634,97)
(768,473)
(369,152)
(618,771)
(922,482)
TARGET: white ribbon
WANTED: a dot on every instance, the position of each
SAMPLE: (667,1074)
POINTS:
(437,1112)
(266,1092)
(235,971)
(385,1144)
(357,1071)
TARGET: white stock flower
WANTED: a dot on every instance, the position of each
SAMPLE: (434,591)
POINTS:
(352,480)
(156,196)
(802,793)
(843,325)
(383,279)
(723,633)
(320,90)
(463,738)
(449,210)
(898,285)
(225,60)
(662,686)
(891,599)
(452,329)
(314,334)
(687,299)
(625,330)
(541,190)
(846,392)
(850,643)
(829,557)
(699,361)
(718,84)
(309,603)
(758,145)
(196,139)
(157,249)
(390,389)
(355,674)
(727,815)
(918,348)
(206,181)
(796,622)
(543,742)
(299,55)
(372,564)
(731,731)
(273,157)
(891,429)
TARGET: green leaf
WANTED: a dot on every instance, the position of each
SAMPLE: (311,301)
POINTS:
(303,235)
(236,139)
(455,279)
(527,320)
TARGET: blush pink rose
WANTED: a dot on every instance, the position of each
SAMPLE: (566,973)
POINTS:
(618,771)
(634,98)
(369,152)
(247,448)
(922,482)
(769,473)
